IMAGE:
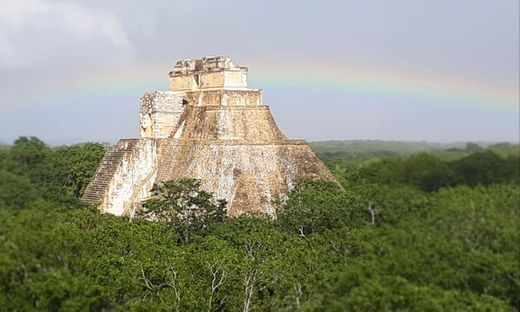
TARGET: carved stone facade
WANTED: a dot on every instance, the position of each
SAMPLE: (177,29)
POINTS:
(209,126)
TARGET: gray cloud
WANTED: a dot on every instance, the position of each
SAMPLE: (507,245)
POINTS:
(38,33)
(56,40)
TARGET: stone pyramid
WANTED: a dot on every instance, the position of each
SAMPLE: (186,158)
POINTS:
(209,126)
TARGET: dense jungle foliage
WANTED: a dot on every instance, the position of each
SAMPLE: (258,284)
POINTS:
(428,229)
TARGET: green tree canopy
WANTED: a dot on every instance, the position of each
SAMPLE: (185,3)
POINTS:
(184,205)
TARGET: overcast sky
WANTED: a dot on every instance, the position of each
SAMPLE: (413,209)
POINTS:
(435,70)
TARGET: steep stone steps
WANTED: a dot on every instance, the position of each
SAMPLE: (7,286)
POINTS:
(105,172)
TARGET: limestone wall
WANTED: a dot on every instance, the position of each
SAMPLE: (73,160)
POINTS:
(251,177)
(207,73)
(251,124)
(133,179)
(250,97)
(235,79)
(232,79)
(159,114)
(183,83)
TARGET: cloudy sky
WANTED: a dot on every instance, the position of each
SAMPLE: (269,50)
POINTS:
(435,70)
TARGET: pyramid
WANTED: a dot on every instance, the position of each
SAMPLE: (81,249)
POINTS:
(208,126)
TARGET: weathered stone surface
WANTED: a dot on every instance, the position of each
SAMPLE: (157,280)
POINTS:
(210,126)
(207,73)
(160,111)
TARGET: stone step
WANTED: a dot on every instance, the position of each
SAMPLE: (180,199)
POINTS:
(101,180)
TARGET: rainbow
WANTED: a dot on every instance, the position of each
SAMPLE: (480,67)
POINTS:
(334,78)
(389,82)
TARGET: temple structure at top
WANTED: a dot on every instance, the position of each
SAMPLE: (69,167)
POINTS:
(208,126)
(208,73)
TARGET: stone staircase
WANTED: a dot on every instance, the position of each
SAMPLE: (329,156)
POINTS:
(105,172)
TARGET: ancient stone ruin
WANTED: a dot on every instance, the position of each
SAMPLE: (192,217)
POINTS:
(209,126)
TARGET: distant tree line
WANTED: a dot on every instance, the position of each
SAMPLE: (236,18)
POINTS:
(431,173)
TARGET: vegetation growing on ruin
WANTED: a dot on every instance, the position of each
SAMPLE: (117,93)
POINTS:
(433,230)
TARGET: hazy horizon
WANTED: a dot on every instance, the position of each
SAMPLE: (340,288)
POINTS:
(432,71)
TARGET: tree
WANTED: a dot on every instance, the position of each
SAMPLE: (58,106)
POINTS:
(69,169)
(428,172)
(15,191)
(27,153)
(393,293)
(185,206)
(315,206)
(473,148)
(481,168)
(4,158)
